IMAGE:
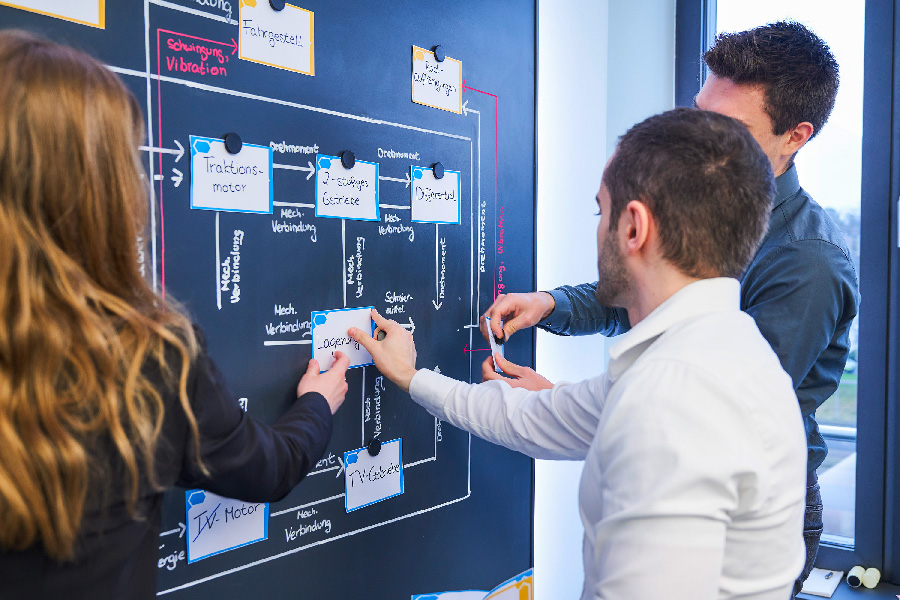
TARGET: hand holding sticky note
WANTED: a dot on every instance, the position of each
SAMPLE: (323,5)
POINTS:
(495,347)
(329,335)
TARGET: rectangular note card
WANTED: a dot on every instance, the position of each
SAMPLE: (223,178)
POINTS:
(282,39)
(434,200)
(329,335)
(436,84)
(216,524)
(369,479)
(85,12)
(239,182)
(346,193)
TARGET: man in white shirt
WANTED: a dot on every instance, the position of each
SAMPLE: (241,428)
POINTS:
(693,446)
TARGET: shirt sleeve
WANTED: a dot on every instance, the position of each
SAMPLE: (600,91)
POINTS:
(247,459)
(552,424)
(577,312)
(799,300)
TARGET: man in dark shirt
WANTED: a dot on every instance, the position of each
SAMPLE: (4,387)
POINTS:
(780,80)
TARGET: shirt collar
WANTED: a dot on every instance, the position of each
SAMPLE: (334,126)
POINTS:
(786,185)
(693,300)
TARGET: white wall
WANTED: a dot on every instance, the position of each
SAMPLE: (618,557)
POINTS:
(603,65)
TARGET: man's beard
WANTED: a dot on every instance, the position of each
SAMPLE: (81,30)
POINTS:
(613,283)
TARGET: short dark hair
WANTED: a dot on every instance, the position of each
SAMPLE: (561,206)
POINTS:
(795,68)
(705,180)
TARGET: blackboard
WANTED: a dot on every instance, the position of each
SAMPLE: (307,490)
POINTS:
(463,520)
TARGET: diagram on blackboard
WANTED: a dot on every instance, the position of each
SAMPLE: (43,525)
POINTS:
(275,216)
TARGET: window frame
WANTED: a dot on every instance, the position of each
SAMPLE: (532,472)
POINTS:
(878,421)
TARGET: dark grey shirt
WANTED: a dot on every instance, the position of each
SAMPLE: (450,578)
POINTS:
(801,289)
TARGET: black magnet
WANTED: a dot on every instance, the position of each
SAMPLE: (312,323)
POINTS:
(348,159)
(233,142)
(438,169)
(380,335)
(374,447)
(439,54)
(277,4)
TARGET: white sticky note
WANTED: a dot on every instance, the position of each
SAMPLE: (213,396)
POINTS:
(282,39)
(434,200)
(346,193)
(216,524)
(86,12)
(239,182)
(436,84)
(495,347)
(329,335)
(369,479)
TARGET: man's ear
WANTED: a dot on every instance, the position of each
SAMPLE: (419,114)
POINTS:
(797,138)
(638,225)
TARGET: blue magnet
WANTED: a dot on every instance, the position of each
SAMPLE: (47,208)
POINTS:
(277,4)
(438,169)
(438,53)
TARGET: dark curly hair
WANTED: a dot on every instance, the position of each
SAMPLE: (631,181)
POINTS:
(795,68)
(706,182)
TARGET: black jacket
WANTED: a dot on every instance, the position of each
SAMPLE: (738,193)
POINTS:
(248,460)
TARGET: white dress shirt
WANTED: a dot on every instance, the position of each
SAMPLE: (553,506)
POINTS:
(695,453)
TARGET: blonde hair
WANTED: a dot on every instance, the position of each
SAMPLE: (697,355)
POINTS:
(78,321)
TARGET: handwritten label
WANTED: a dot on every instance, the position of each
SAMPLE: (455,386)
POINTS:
(435,200)
(399,228)
(86,12)
(239,182)
(369,479)
(396,303)
(329,335)
(281,39)
(187,54)
(346,193)
(436,84)
(292,222)
(216,524)
(230,276)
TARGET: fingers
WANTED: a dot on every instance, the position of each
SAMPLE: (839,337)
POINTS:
(381,321)
(313,366)
(489,374)
(363,338)
(341,363)
(507,367)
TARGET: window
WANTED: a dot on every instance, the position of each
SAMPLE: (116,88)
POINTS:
(829,167)
(852,169)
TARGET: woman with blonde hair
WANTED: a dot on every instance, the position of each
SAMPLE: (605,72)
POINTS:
(106,396)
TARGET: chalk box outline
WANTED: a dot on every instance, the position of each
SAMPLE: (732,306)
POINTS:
(187,544)
(312,326)
(232,210)
(377,189)
(363,449)
(412,190)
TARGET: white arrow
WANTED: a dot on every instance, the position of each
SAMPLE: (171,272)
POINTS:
(411,326)
(179,153)
(177,176)
(466,111)
(158,177)
(437,251)
(397,179)
(341,470)
(310,168)
(179,530)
